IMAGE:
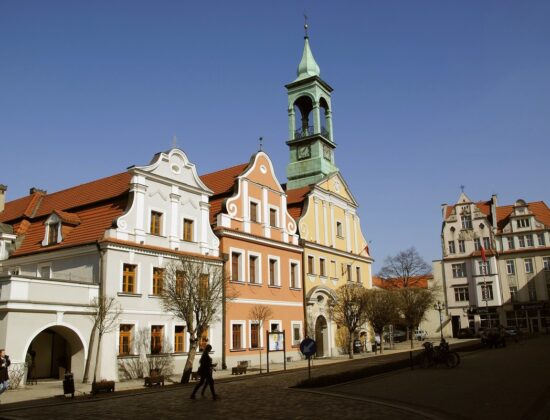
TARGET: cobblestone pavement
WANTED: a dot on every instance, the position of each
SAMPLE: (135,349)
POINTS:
(483,386)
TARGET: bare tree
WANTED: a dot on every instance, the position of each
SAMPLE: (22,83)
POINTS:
(381,310)
(348,310)
(260,314)
(193,291)
(413,303)
(106,311)
(405,269)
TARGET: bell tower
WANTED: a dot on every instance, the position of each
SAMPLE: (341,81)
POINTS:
(310,134)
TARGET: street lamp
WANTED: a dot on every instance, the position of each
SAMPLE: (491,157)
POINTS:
(439,307)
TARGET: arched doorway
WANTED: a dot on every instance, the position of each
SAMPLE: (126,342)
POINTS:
(56,350)
(321,336)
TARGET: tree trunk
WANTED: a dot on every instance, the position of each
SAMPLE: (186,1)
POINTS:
(188,368)
(260,362)
(380,334)
(97,357)
(350,345)
(88,359)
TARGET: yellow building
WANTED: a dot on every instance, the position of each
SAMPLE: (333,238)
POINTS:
(335,250)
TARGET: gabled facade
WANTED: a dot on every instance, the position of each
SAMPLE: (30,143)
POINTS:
(113,237)
(335,250)
(496,264)
(259,243)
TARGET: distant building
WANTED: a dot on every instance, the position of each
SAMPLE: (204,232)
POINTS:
(496,264)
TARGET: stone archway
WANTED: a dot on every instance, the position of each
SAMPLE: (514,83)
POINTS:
(56,350)
(321,336)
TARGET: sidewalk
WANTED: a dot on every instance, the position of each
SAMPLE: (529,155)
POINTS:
(52,389)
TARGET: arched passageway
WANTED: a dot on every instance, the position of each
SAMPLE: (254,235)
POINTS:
(321,336)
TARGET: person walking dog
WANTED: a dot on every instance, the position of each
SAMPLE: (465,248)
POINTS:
(4,377)
(205,371)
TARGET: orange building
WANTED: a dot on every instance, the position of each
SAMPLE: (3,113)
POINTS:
(259,242)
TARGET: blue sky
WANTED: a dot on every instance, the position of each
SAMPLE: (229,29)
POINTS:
(429,95)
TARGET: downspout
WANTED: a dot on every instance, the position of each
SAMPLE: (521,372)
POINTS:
(304,302)
(224,313)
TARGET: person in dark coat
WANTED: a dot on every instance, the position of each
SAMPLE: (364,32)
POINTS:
(4,363)
(205,371)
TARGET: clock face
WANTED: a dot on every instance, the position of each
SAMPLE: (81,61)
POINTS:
(304,152)
(327,153)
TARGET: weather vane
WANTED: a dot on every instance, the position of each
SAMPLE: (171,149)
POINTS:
(261,140)
(305,24)
(462,188)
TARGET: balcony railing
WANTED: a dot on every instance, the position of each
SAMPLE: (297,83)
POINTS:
(310,131)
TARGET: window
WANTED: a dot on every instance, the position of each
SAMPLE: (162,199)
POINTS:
(513,293)
(532,291)
(204,284)
(540,239)
(273,217)
(461,294)
(158,278)
(45,271)
(156,223)
(452,249)
(466,222)
(477,244)
(254,335)
(188,230)
(522,223)
(273,272)
(486,243)
(358,274)
(510,267)
(156,338)
(484,268)
(296,333)
(310,264)
(236,274)
(237,336)
(546,263)
(511,242)
(461,246)
(529,240)
(339,231)
(179,339)
(129,278)
(459,270)
(125,340)
(487,292)
(322,267)
(180,282)
(254,212)
(348,269)
(253,269)
(528,265)
(53,233)
(294,283)
(521,241)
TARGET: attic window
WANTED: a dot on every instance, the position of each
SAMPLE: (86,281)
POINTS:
(53,233)
(58,225)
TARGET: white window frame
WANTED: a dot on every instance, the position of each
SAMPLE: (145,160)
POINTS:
(277,216)
(339,229)
(242,268)
(301,328)
(511,241)
(164,326)
(277,270)
(242,323)
(452,249)
(297,274)
(52,220)
(261,338)
(194,233)
(135,325)
(529,241)
(138,277)
(258,273)
(461,291)
(312,265)
(173,337)
(258,212)
(546,263)
(321,262)
(528,265)
(510,267)
(462,271)
(461,246)
(487,287)
(483,264)
(539,241)
(39,269)
(162,221)
(521,239)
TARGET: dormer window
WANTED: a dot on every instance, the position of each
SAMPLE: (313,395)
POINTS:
(466,221)
(53,233)
(59,225)
(522,223)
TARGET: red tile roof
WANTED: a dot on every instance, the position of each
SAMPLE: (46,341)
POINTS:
(69,218)
(416,281)
(296,200)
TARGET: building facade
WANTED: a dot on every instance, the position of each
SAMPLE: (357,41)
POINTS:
(496,264)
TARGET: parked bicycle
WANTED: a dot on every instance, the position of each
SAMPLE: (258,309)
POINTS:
(432,356)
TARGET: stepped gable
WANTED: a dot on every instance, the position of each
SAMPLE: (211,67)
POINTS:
(91,208)
(221,183)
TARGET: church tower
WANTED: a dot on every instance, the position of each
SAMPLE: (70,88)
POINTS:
(310,135)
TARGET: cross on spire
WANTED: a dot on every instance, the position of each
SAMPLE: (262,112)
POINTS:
(462,188)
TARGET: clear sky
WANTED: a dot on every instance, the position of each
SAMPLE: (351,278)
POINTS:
(429,95)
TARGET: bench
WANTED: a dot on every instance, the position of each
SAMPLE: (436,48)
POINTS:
(240,368)
(154,378)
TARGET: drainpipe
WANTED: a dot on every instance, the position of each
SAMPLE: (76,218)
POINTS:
(225,258)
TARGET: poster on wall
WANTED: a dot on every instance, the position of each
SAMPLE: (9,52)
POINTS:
(275,341)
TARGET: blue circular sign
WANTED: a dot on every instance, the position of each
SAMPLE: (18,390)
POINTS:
(308,347)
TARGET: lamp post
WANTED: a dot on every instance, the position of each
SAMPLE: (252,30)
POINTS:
(439,307)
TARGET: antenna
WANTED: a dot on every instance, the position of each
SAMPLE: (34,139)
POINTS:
(261,140)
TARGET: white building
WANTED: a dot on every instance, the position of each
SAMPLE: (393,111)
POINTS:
(111,236)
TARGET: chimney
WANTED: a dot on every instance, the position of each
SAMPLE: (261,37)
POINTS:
(444,210)
(36,190)
(494,210)
(3,189)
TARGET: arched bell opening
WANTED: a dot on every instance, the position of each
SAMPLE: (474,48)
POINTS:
(325,118)
(303,117)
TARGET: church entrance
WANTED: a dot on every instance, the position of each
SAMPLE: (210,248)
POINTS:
(321,336)
(53,352)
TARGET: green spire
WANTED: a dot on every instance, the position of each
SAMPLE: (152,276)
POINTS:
(307,67)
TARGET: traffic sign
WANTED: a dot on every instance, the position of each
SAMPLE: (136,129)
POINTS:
(308,347)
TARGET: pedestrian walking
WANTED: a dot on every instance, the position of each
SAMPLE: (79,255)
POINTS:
(4,377)
(205,371)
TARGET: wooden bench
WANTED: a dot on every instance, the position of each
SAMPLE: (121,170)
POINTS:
(154,378)
(240,368)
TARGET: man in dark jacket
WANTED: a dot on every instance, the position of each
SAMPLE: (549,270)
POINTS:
(205,371)
(4,363)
